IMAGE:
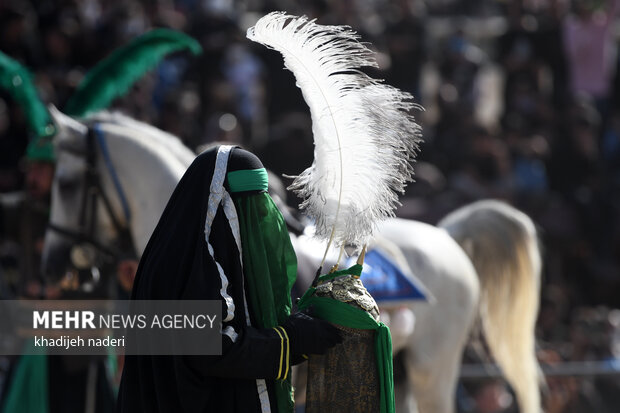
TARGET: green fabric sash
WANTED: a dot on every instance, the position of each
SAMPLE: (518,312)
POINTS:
(343,314)
(248,180)
(28,391)
(270,268)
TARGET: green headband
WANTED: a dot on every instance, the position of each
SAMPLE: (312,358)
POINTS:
(248,180)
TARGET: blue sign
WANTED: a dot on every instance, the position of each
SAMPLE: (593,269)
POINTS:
(386,282)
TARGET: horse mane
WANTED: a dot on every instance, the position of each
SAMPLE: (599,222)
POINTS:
(145,132)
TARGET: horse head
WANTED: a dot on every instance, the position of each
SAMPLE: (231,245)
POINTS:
(83,222)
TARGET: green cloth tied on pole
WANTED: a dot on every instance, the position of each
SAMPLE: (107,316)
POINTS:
(344,314)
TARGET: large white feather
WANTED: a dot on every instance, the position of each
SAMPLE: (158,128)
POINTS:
(364,135)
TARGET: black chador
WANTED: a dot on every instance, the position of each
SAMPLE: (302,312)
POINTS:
(222,238)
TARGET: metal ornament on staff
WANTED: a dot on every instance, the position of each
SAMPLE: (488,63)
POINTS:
(344,378)
(365,139)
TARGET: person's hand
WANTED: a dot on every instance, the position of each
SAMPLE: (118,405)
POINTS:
(309,335)
(126,273)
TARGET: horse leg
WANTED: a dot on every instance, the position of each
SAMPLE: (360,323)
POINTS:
(442,325)
(403,397)
(434,386)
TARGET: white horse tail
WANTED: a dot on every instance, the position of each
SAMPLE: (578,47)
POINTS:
(502,244)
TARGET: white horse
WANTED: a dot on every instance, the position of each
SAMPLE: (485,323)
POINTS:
(482,260)
(148,163)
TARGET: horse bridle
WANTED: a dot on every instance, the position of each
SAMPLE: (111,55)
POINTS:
(85,245)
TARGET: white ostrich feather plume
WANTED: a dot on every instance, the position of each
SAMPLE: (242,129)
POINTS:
(364,135)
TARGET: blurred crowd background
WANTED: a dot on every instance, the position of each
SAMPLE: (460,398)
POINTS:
(521,98)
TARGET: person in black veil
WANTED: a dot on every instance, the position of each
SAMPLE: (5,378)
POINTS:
(221,237)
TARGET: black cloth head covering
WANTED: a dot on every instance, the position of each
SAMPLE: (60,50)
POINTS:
(177,265)
(176,259)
